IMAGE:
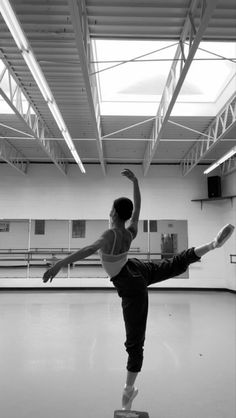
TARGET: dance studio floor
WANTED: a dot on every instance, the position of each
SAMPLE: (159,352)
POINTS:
(62,355)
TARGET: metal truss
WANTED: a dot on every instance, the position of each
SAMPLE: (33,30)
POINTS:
(15,97)
(188,44)
(222,123)
(127,127)
(12,156)
(228,166)
(83,42)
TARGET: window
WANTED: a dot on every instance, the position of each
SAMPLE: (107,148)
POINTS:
(152,226)
(39,227)
(4,226)
(78,229)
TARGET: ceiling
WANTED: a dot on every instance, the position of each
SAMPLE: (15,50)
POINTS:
(54,40)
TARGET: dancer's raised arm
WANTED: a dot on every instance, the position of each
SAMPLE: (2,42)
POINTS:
(133,227)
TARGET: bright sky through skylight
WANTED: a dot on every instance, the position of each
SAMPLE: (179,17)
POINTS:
(133,86)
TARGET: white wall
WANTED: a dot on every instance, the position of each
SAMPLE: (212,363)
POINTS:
(229,216)
(46,194)
(57,233)
(18,236)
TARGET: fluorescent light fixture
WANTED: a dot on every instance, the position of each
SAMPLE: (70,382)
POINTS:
(13,24)
(78,160)
(37,74)
(73,151)
(57,115)
(24,46)
(22,43)
(68,140)
(225,157)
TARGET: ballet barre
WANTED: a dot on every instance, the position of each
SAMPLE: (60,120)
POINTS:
(47,258)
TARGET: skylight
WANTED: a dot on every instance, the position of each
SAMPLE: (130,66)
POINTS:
(136,87)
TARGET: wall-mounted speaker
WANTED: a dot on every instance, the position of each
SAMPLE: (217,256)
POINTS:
(214,186)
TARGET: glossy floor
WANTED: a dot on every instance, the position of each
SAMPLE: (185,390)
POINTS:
(62,355)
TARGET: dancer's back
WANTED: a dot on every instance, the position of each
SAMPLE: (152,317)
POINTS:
(119,241)
(114,254)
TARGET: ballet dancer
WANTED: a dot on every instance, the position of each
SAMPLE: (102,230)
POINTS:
(131,277)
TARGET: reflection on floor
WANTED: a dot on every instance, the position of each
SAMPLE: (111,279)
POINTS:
(62,355)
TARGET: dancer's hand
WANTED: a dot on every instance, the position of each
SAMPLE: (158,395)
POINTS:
(51,273)
(129,174)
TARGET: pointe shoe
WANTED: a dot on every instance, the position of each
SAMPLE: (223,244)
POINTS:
(223,235)
(128,397)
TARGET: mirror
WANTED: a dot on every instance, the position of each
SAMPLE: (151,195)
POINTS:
(29,247)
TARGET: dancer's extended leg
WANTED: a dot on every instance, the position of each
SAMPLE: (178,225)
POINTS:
(223,235)
(178,264)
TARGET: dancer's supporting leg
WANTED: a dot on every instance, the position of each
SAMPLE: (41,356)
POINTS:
(130,379)
(130,392)
(135,309)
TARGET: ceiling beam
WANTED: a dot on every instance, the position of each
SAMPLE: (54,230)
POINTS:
(15,97)
(188,44)
(219,127)
(83,43)
(12,156)
(124,139)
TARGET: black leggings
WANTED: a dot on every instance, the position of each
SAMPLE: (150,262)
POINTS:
(131,284)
